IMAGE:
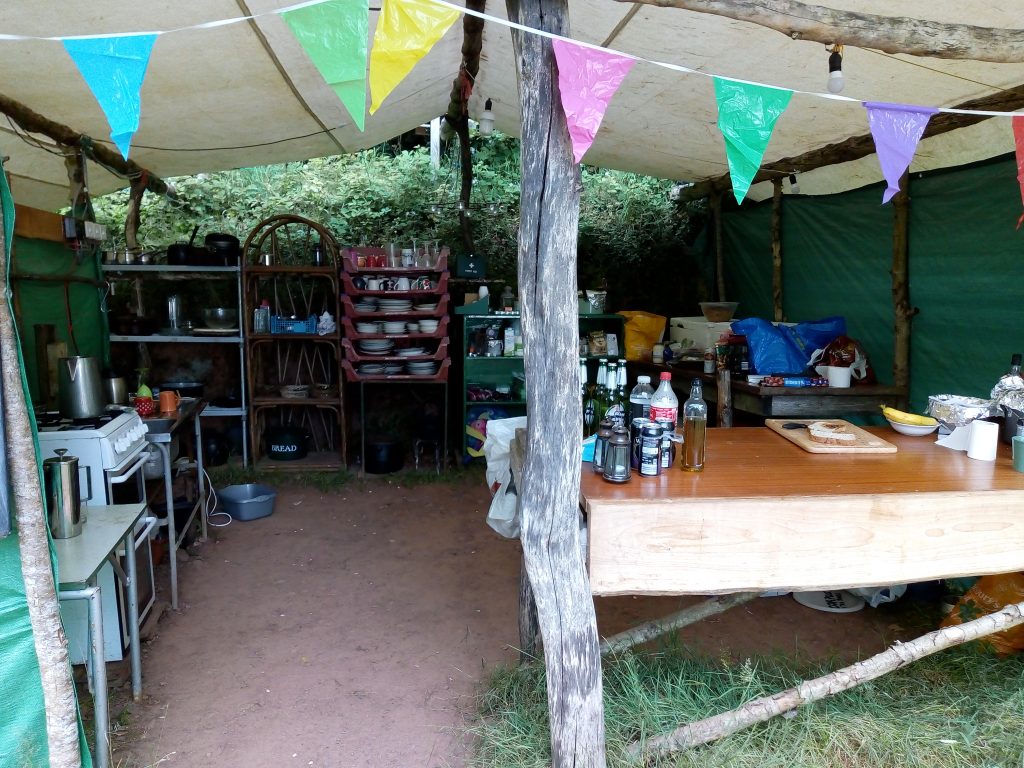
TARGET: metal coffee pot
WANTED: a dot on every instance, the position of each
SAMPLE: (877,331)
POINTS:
(63,495)
(80,387)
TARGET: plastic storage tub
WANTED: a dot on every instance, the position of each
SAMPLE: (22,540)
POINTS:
(247,502)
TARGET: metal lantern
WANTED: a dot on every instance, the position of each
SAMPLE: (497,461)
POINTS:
(616,461)
(604,435)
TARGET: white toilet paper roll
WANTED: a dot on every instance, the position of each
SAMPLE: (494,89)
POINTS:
(983,440)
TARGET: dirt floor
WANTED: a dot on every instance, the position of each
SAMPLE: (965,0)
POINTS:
(352,628)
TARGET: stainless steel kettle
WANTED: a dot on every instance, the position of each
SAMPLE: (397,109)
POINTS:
(63,495)
(79,387)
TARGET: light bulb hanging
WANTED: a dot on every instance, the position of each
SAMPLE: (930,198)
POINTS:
(794,185)
(835,69)
(487,119)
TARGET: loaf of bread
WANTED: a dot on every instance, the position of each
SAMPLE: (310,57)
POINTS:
(831,433)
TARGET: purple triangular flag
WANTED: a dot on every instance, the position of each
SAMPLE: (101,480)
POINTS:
(896,129)
(587,80)
(114,68)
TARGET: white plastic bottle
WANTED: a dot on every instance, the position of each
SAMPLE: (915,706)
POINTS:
(664,403)
(640,398)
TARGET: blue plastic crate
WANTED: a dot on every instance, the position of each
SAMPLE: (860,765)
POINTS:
(280,324)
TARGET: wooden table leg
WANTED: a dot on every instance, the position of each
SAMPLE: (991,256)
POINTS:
(528,624)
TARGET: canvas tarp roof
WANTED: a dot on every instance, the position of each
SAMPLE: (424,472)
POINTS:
(246,94)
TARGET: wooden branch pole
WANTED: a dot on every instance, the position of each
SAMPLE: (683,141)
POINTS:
(33,122)
(716,218)
(902,311)
(860,146)
(776,232)
(549,488)
(133,217)
(691,615)
(33,547)
(891,34)
(767,707)
(723,408)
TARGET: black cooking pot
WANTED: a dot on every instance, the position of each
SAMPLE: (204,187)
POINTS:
(215,448)
(179,254)
(183,388)
(285,443)
(383,456)
(225,246)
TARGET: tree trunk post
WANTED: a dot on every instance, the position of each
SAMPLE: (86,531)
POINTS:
(776,227)
(549,492)
(902,311)
(716,217)
(33,545)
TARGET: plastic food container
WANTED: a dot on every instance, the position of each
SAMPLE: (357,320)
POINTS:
(250,501)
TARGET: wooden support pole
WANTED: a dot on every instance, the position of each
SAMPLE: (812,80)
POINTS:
(549,488)
(133,217)
(723,408)
(903,312)
(716,218)
(767,707)
(51,645)
(776,228)
(33,122)
(889,34)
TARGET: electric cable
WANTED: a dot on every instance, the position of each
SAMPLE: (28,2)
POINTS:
(210,509)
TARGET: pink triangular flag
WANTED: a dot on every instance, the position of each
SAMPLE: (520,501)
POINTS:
(587,79)
(1018,140)
(896,129)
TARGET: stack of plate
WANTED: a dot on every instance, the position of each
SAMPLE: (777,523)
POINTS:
(392,368)
(426,307)
(395,305)
(366,304)
(365,327)
(411,352)
(394,326)
(371,369)
(428,326)
(376,346)
(421,367)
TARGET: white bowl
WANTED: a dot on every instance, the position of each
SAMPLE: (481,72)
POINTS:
(914,430)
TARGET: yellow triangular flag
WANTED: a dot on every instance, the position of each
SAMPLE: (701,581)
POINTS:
(406,31)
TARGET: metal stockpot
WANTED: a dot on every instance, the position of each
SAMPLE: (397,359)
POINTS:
(80,387)
(63,496)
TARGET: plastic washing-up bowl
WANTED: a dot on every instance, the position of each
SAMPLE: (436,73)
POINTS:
(250,501)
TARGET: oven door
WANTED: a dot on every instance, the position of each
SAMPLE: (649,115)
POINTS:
(126,483)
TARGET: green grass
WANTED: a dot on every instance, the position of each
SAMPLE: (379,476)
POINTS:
(961,708)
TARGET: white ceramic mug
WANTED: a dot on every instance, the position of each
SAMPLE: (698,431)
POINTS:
(373,283)
(402,284)
(838,376)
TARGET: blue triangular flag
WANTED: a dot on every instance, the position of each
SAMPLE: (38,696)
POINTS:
(114,68)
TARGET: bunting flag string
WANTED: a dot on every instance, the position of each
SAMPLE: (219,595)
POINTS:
(587,80)
(334,35)
(406,31)
(114,68)
(747,114)
(896,130)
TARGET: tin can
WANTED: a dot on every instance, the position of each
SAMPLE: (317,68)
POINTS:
(666,448)
(635,427)
(650,450)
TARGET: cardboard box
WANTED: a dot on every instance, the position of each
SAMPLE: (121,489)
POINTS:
(696,332)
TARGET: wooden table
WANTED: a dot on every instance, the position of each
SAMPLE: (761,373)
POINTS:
(774,402)
(767,515)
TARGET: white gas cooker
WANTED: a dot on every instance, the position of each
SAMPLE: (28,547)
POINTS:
(106,443)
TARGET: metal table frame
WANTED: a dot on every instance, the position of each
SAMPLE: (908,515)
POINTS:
(79,561)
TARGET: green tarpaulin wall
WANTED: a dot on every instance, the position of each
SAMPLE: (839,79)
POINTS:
(44,301)
(22,716)
(965,261)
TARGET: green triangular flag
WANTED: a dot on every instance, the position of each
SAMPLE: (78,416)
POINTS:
(746,118)
(335,35)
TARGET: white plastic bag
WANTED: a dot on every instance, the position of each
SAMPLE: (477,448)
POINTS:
(875,596)
(503,514)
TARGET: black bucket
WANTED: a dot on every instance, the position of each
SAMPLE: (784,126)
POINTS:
(383,456)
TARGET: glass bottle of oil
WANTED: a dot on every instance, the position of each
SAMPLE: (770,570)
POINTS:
(695,423)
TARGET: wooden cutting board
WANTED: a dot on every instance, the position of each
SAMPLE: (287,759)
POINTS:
(865,442)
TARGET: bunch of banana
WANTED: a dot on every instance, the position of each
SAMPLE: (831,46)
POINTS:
(901,417)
